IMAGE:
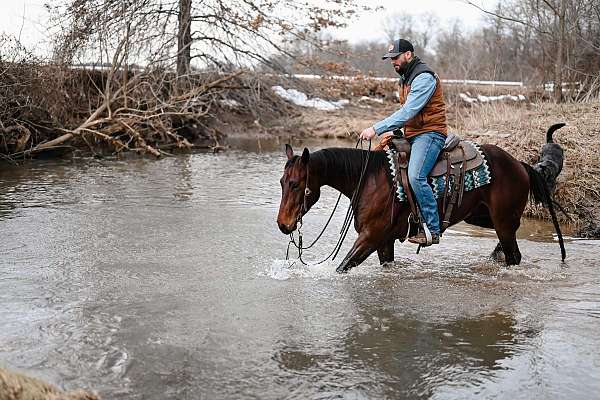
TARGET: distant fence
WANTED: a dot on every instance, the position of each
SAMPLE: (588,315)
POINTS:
(484,83)
(446,81)
(548,87)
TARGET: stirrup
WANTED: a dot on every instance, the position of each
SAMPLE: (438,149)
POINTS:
(428,238)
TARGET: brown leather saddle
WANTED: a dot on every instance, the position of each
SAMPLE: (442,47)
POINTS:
(457,157)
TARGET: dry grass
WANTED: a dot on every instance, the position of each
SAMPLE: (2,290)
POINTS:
(15,386)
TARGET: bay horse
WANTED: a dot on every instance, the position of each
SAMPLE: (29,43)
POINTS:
(380,219)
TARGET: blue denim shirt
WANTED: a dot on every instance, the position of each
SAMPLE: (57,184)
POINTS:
(421,90)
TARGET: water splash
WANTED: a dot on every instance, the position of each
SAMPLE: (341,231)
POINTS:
(293,268)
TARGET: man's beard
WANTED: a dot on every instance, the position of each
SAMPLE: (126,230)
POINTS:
(400,69)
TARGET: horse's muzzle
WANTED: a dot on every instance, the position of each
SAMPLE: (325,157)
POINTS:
(287,229)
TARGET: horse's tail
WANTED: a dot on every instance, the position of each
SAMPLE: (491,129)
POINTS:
(542,179)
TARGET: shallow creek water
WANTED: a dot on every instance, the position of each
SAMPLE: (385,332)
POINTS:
(167,279)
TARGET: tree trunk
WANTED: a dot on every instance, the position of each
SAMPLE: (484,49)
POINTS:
(184,37)
(558,67)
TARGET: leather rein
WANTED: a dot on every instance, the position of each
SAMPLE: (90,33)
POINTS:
(345,227)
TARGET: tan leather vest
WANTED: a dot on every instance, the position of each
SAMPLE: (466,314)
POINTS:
(431,118)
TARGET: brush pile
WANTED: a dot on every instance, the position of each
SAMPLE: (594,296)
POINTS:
(48,108)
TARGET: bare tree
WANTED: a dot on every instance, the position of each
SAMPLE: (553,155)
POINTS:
(566,31)
(419,29)
(184,37)
(151,73)
(216,33)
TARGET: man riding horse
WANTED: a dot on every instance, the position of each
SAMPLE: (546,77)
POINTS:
(482,185)
(423,117)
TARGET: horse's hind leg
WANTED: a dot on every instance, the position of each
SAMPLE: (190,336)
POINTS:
(480,216)
(386,252)
(512,254)
(505,212)
(507,233)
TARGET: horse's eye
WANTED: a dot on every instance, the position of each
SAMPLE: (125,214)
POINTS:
(294,185)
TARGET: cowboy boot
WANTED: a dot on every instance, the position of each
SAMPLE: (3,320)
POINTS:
(421,239)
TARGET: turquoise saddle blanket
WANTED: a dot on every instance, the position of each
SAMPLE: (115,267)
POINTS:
(474,178)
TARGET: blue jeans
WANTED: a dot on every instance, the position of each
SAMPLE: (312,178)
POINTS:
(425,150)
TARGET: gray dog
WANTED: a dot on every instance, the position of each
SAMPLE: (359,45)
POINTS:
(551,159)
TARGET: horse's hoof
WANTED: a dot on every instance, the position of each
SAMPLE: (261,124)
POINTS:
(498,256)
(342,270)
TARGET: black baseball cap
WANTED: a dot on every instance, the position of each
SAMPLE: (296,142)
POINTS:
(398,47)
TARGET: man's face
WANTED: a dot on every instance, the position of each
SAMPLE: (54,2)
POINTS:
(401,60)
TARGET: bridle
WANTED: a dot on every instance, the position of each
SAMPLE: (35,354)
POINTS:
(345,227)
(307,192)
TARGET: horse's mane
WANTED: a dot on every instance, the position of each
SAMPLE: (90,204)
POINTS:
(349,161)
(344,162)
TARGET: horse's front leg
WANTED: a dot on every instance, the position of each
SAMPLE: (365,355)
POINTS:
(498,254)
(361,249)
(385,252)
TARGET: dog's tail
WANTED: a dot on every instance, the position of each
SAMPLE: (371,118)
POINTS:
(551,131)
(542,179)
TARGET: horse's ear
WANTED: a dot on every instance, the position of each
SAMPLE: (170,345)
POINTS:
(288,151)
(305,156)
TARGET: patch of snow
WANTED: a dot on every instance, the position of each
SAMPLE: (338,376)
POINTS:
(231,103)
(371,99)
(377,78)
(566,86)
(466,97)
(301,99)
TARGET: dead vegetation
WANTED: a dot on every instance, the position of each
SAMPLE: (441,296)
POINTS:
(47,108)
(103,111)
(92,93)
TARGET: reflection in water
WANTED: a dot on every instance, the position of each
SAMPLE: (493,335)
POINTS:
(184,184)
(409,358)
(298,360)
(417,356)
(6,208)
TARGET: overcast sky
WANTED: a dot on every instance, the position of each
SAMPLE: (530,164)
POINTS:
(369,25)
(29,18)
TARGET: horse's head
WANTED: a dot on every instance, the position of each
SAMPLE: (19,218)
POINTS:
(297,194)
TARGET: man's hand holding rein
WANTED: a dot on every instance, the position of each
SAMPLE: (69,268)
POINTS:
(368,133)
